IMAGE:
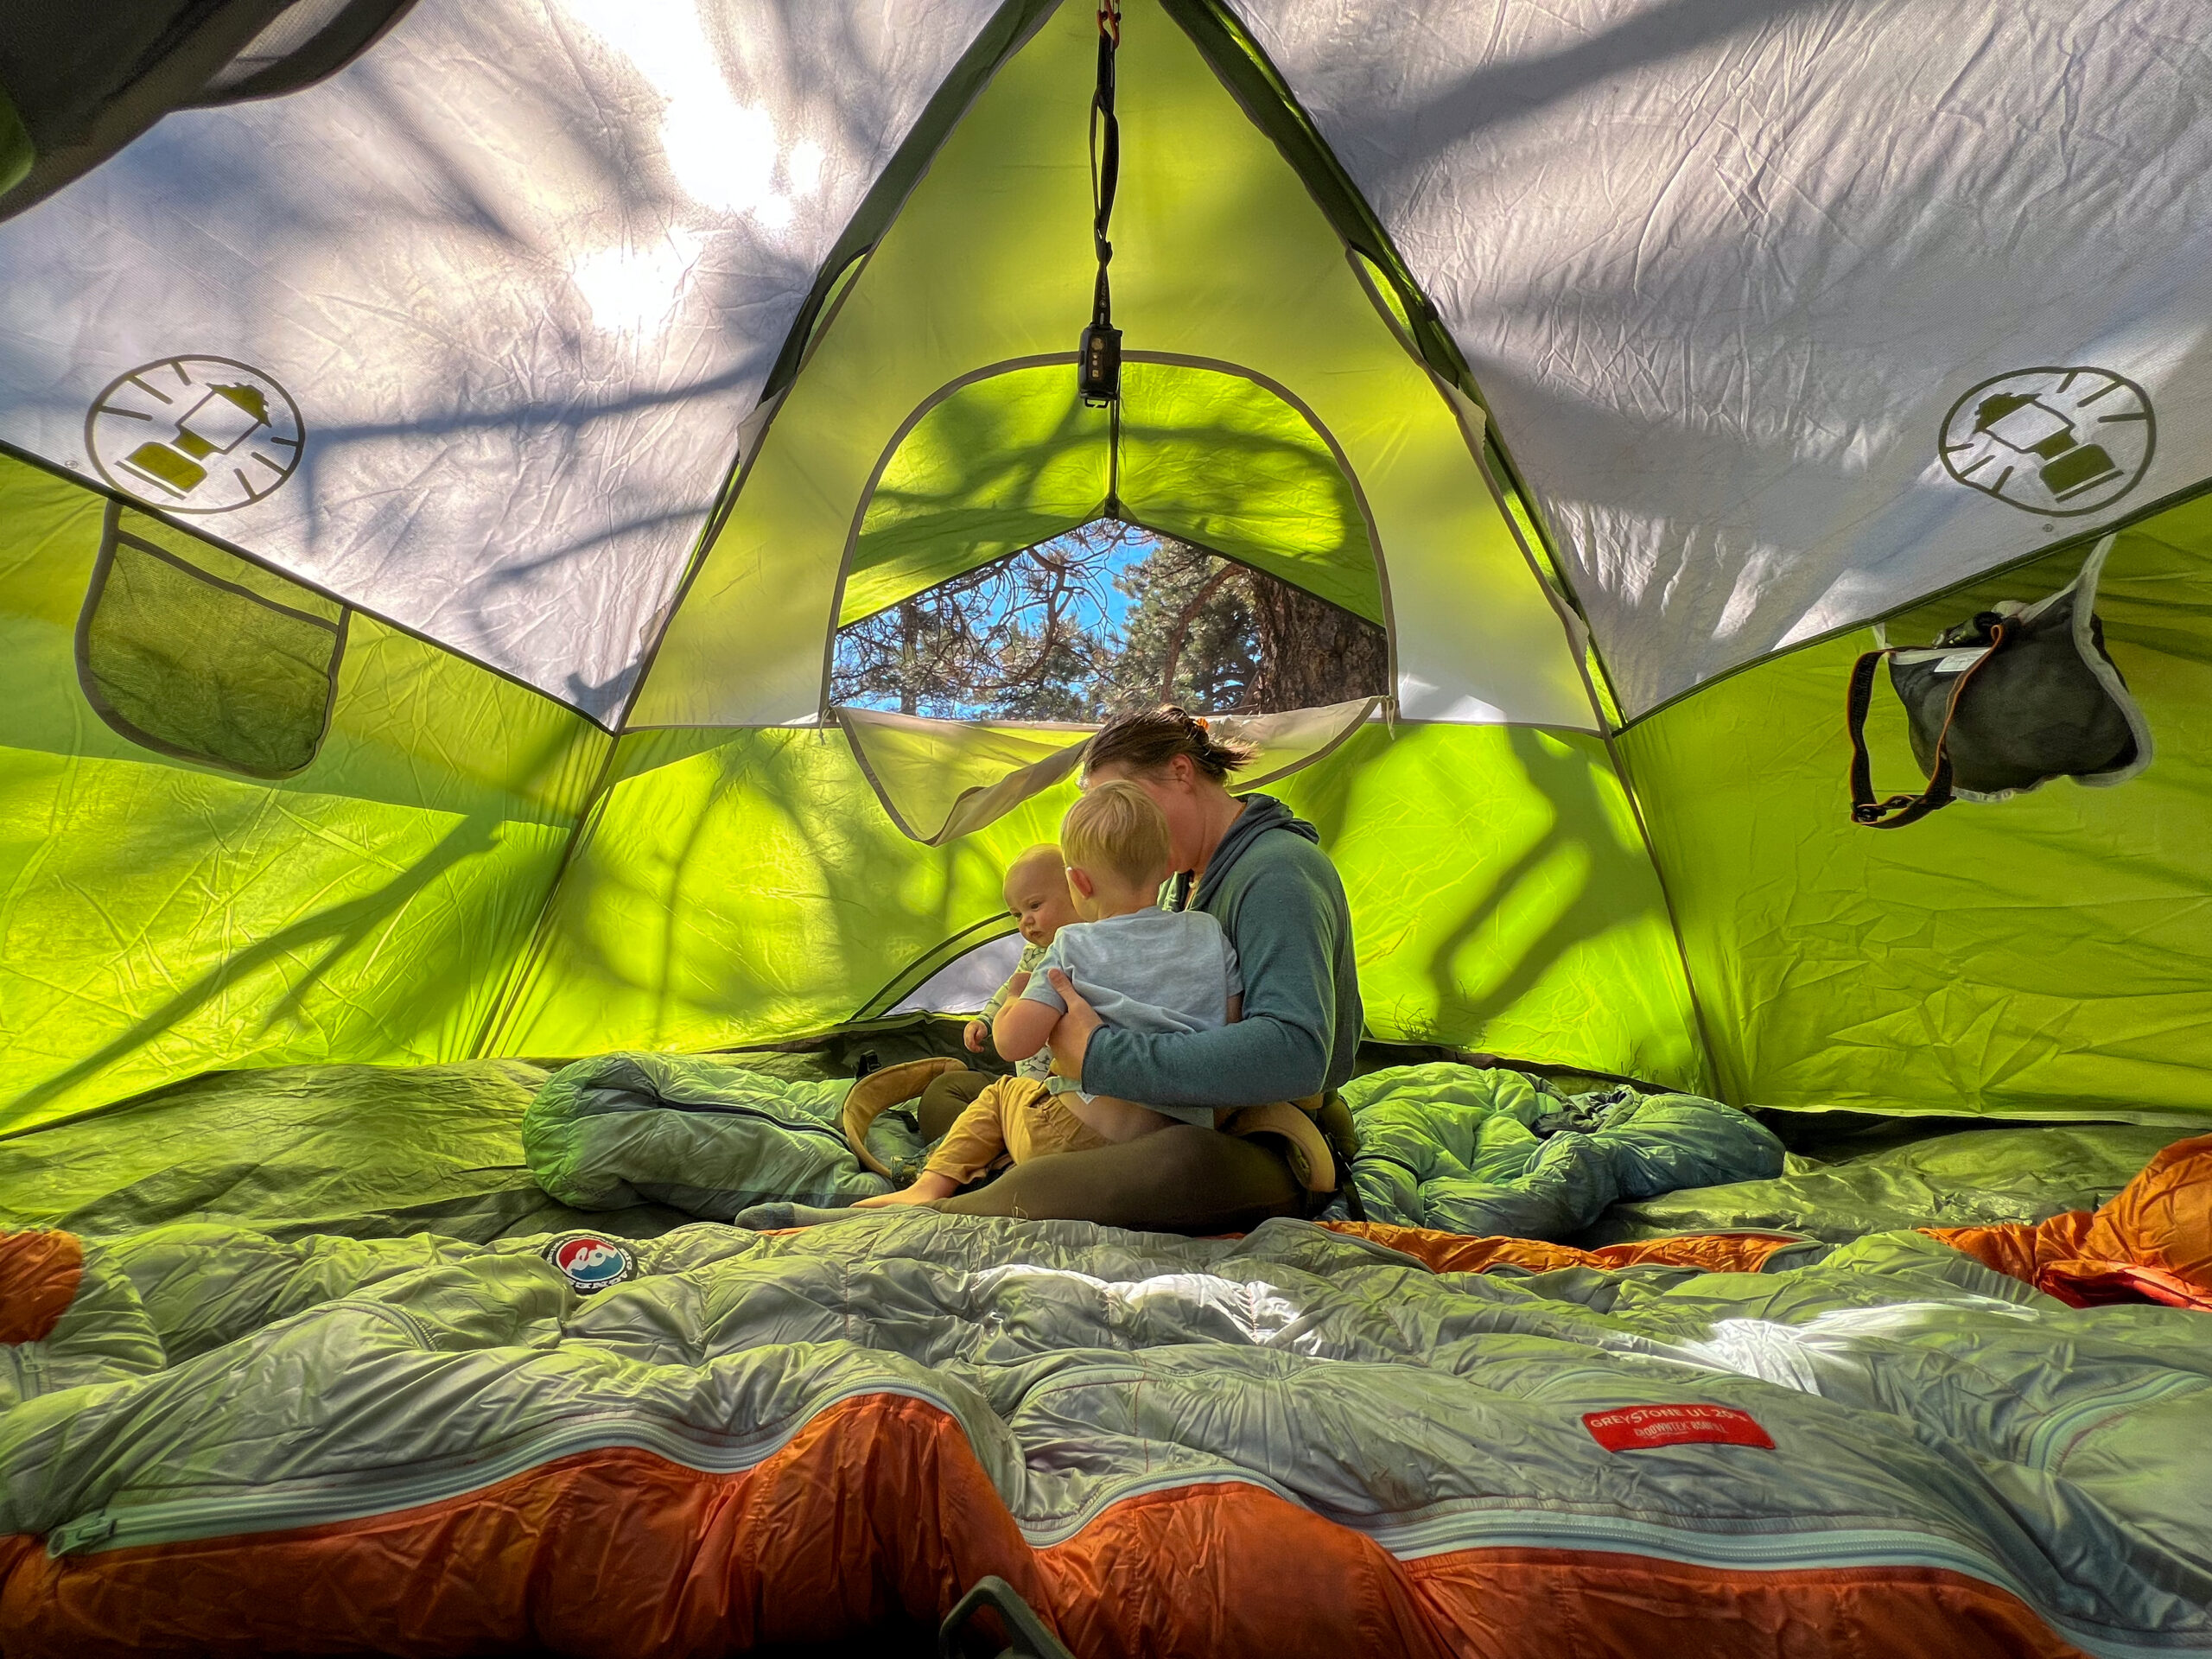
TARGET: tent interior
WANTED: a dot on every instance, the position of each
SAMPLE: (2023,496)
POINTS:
(502,732)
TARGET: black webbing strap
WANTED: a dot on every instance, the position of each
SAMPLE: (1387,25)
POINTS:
(1105,158)
(1898,810)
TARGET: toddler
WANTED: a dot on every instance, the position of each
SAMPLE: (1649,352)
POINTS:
(1141,967)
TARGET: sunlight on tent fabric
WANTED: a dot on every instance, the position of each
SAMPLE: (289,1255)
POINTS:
(1435,704)
(802,169)
(723,153)
(1760,563)
(634,289)
(1746,335)
(2158,352)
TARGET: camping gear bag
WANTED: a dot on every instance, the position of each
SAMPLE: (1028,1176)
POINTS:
(2002,703)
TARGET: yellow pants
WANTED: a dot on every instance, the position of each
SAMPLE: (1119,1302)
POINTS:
(1014,1118)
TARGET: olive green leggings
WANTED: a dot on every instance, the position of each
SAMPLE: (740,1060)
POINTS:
(948,1094)
(1184,1179)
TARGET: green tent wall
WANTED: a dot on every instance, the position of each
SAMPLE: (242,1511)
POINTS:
(694,854)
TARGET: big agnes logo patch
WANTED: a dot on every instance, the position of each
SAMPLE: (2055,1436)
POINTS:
(1630,1428)
(588,1261)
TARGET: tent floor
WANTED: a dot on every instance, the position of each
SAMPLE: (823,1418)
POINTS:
(383,1152)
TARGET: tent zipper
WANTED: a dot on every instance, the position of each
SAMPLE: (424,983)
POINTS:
(329,1500)
(810,1127)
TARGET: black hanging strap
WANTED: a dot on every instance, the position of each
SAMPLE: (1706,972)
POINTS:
(1106,168)
(1099,361)
(1898,810)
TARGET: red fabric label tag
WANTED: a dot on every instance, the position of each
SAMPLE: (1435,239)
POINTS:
(1631,1427)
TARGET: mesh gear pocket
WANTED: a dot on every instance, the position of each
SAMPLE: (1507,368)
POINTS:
(192,651)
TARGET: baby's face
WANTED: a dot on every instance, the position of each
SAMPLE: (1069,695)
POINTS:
(1038,895)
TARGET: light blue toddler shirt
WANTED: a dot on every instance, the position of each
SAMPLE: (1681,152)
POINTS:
(1154,970)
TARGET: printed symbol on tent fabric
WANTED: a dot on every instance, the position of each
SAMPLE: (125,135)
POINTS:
(195,433)
(2053,442)
(588,1261)
(1631,1427)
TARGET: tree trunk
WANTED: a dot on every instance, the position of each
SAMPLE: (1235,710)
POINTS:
(1181,631)
(1313,653)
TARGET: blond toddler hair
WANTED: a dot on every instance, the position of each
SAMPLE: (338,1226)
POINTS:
(1117,827)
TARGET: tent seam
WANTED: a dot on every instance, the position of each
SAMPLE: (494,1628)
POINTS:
(1111,505)
(914,418)
(935,959)
(1088,725)
(1622,771)
(493,1031)
(1433,348)
(1562,600)
(1375,551)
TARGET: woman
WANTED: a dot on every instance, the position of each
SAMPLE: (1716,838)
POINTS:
(1262,875)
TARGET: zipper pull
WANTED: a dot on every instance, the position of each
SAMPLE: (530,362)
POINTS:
(81,1534)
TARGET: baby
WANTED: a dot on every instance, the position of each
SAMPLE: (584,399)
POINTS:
(1036,892)
(1141,967)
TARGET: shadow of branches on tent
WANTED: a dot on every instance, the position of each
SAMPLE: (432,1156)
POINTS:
(1507,857)
(337,929)
(1580,834)
(988,472)
(1511,90)
(959,878)
(751,889)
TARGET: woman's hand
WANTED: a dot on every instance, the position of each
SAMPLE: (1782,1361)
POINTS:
(1071,1036)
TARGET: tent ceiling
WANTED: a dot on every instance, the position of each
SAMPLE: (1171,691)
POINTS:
(1728,274)
(524,267)
(1723,270)
(1221,258)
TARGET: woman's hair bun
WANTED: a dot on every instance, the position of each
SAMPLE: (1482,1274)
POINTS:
(1148,739)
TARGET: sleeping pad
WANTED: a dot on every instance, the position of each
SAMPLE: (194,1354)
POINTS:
(1301,1442)
(1441,1145)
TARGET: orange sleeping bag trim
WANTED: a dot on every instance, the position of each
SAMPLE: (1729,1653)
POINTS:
(879,1510)
(2152,1243)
